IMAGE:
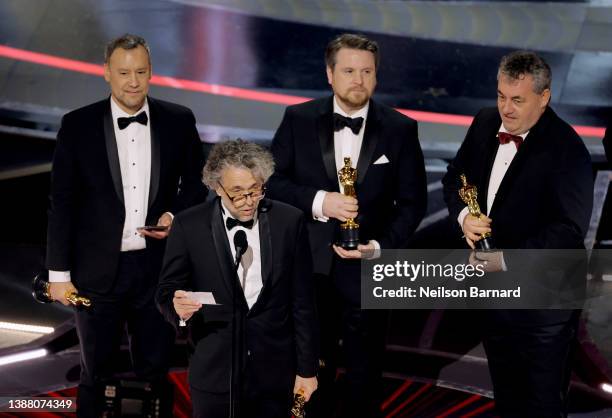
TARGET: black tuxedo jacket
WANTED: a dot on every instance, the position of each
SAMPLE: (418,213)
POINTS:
(544,201)
(392,197)
(546,197)
(87,212)
(607,140)
(280,329)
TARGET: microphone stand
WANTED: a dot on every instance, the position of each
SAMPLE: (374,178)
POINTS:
(234,393)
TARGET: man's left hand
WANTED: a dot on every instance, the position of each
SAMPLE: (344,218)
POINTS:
(164,220)
(305,385)
(362,251)
(491,261)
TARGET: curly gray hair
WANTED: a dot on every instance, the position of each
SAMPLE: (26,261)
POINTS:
(237,153)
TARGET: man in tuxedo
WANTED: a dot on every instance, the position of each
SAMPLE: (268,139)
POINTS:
(120,164)
(309,149)
(534,178)
(264,324)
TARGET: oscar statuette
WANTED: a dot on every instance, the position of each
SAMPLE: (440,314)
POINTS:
(40,292)
(349,230)
(297,410)
(469,194)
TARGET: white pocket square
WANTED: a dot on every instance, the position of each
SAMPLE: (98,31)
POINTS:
(382,160)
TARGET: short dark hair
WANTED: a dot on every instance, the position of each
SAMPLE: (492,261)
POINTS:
(518,64)
(127,41)
(350,41)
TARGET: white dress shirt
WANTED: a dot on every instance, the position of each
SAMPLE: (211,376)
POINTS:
(252,284)
(134,149)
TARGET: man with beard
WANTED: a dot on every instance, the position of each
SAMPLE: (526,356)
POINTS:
(309,149)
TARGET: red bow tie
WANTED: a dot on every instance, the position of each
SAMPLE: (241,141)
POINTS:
(505,137)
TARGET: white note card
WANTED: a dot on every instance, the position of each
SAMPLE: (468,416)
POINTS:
(205,298)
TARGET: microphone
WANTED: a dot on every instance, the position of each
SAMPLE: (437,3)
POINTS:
(241,244)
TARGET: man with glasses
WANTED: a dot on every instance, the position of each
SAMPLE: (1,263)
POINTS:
(272,310)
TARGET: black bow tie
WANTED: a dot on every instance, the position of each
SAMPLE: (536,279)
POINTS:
(140,118)
(340,122)
(231,223)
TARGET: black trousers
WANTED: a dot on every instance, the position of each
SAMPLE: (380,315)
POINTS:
(100,329)
(531,368)
(252,405)
(362,333)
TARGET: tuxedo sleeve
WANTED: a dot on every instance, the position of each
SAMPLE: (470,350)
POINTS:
(191,190)
(304,311)
(451,181)
(282,185)
(63,193)
(175,273)
(410,192)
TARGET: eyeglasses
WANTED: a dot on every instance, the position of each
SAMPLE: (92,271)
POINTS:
(241,199)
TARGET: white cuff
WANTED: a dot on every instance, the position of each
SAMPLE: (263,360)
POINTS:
(317,207)
(169,213)
(59,276)
(503,263)
(462,216)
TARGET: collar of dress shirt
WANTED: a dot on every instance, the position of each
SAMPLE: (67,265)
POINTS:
(117,112)
(502,129)
(361,113)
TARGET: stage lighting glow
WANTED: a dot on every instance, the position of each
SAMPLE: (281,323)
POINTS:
(26,355)
(606,387)
(11,326)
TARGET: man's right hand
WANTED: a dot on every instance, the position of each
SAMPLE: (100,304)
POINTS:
(58,291)
(184,306)
(474,227)
(336,205)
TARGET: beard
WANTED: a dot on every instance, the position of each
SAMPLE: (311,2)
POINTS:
(354,99)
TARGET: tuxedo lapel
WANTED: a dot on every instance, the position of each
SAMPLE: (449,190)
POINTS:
(491,145)
(370,140)
(156,131)
(224,254)
(325,127)
(112,152)
(265,246)
(265,241)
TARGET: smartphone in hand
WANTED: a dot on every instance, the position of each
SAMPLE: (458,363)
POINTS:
(153,228)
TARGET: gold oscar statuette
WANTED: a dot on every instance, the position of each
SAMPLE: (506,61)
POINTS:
(297,410)
(349,230)
(469,195)
(41,293)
